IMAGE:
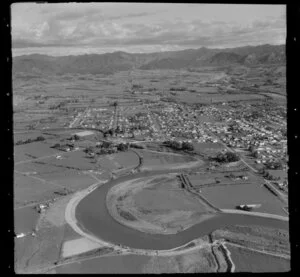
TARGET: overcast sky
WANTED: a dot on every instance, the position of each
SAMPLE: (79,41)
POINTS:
(72,29)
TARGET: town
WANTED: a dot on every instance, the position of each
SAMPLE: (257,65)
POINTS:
(149,138)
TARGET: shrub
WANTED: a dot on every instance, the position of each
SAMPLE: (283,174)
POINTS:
(138,146)
(40,138)
(274,165)
(57,145)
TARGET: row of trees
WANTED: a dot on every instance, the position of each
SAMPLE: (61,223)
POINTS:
(138,146)
(178,145)
(106,148)
(39,138)
(267,175)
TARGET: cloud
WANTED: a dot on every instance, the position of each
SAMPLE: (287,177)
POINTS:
(75,15)
(131,15)
(94,29)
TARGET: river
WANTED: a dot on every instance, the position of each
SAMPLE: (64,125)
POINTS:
(93,217)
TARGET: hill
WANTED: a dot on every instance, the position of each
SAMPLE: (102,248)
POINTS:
(118,61)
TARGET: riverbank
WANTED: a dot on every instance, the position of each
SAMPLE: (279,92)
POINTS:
(127,241)
(94,217)
(71,218)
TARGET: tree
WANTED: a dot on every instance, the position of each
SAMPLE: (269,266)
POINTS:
(76,137)
(110,132)
(122,147)
(275,165)
(262,171)
(227,157)
(40,138)
(106,144)
(187,146)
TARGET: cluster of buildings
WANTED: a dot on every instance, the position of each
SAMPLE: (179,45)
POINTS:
(264,135)
(101,118)
(177,121)
(260,128)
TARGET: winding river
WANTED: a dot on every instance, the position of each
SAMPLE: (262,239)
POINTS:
(93,217)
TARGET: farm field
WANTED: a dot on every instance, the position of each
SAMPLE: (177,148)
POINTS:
(199,180)
(112,264)
(127,159)
(188,262)
(208,148)
(229,196)
(131,116)
(33,151)
(158,161)
(262,239)
(251,261)
(30,190)
(25,219)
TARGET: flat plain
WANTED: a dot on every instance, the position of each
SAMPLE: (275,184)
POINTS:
(211,108)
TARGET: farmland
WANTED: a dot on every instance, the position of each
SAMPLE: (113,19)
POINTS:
(75,132)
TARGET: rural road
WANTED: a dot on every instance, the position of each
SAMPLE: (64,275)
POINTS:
(279,217)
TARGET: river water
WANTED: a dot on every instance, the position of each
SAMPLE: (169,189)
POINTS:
(93,217)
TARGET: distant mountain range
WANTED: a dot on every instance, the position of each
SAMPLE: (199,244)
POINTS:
(118,61)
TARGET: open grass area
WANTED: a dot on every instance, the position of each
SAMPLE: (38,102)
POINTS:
(155,160)
(204,179)
(250,261)
(166,199)
(112,264)
(25,219)
(126,159)
(77,246)
(28,190)
(72,180)
(74,160)
(282,174)
(256,237)
(229,196)
(39,251)
(107,163)
(156,205)
(191,262)
(32,151)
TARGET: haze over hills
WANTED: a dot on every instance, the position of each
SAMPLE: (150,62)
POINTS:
(118,61)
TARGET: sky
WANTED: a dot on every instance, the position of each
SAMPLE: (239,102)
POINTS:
(85,28)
